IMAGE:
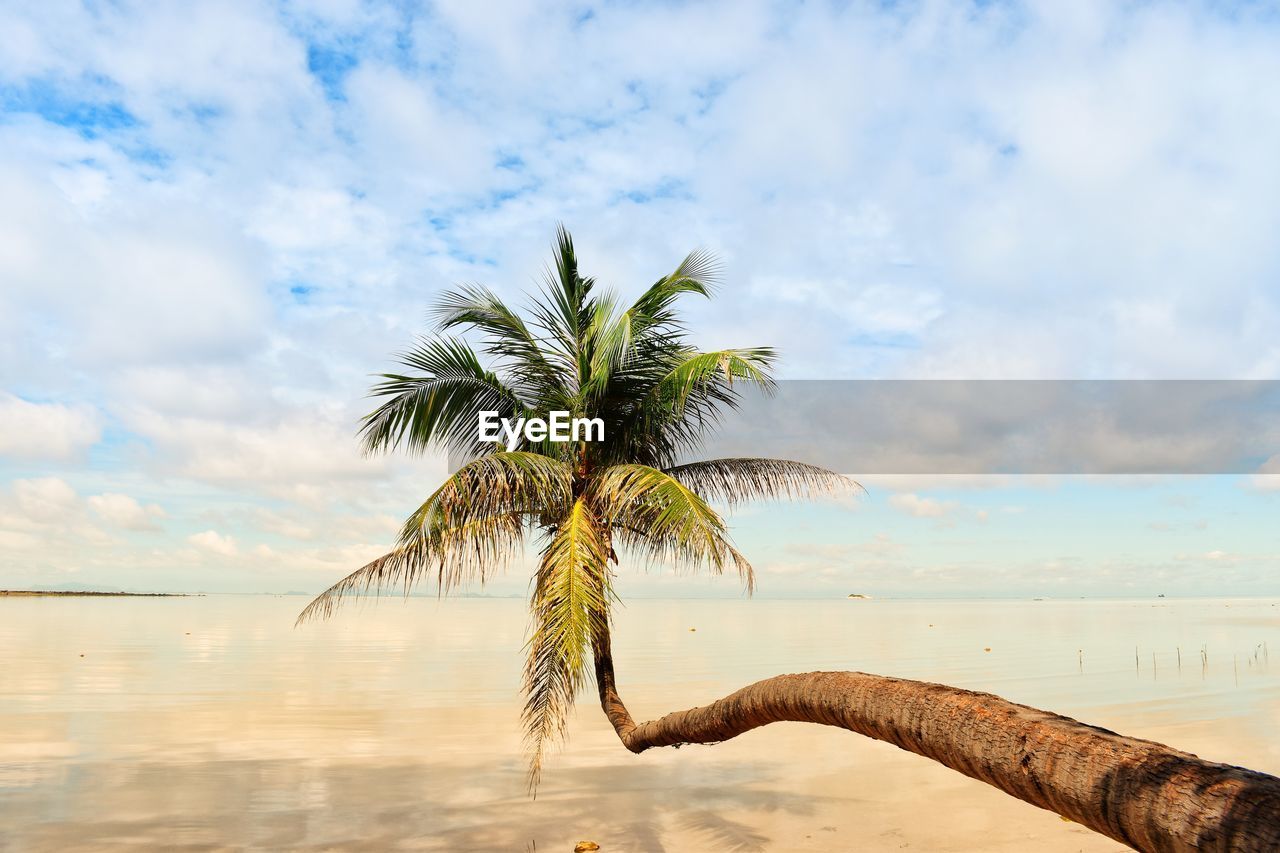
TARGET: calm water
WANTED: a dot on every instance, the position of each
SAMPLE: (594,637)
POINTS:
(211,723)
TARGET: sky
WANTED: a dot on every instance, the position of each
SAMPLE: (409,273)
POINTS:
(218,219)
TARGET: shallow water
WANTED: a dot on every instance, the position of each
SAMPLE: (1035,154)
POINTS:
(211,723)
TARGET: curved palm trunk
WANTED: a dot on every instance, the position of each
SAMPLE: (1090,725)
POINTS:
(1138,792)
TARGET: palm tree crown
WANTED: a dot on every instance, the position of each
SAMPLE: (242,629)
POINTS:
(582,352)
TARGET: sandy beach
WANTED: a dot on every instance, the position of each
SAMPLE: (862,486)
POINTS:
(211,723)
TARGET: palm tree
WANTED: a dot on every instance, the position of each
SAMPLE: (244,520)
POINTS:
(633,492)
(580,353)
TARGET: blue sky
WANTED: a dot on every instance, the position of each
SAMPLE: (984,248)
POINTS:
(218,219)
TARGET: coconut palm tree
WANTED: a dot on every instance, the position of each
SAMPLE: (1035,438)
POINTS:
(634,492)
(582,352)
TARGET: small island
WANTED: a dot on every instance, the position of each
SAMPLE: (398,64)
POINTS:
(859,595)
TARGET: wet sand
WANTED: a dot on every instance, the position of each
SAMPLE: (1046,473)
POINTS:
(210,723)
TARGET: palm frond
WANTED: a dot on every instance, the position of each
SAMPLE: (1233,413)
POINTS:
(647,335)
(610,345)
(503,482)
(703,370)
(566,310)
(465,530)
(533,368)
(439,406)
(570,609)
(665,414)
(733,481)
(698,273)
(477,548)
(657,514)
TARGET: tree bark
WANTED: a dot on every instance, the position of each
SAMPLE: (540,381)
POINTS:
(1138,792)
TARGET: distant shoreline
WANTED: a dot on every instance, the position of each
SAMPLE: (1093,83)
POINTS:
(40,592)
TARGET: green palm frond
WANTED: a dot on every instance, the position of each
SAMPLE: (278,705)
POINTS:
(705,371)
(610,343)
(533,369)
(438,406)
(471,550)
(650,320)
(570,609)
(733,481)
(565,312)
(632,343)
(465,530)
(698,273)
(670,407)
(657,514)
(504,482)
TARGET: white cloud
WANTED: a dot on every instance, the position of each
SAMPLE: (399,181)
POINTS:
(124,511)
(933,190)
(1265,482)
(146,278)
(1221,559)
(285,457)
(913,504)
(45,530)
(215,543)
(46,499)
(426,145)
(33,431)
(1268,477)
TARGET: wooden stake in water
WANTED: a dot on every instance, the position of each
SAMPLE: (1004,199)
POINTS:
(1080,659)
(1179,660)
